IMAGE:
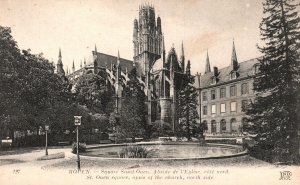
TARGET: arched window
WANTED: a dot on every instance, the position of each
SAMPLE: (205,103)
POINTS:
(223,125)
(213,126)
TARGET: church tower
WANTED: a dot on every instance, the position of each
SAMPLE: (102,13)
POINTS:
(147,38)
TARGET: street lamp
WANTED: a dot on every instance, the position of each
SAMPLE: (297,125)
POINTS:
(77,122)
(46,147)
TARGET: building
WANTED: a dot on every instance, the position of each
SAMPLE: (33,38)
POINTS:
(224,93)
(160,74)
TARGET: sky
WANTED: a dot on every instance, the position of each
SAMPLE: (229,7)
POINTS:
(76,26)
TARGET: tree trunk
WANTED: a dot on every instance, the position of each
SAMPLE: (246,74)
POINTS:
(12,137)
(1,134)
(37,136)
(188,124)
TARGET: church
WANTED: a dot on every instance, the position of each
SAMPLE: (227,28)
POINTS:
(160,73)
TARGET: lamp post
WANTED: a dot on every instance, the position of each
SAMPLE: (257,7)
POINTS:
(46,146)
(77,122)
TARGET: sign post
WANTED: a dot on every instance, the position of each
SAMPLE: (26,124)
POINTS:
(77,122)
(46,147)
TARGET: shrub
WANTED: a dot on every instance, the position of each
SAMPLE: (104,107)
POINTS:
(134,152)
(82,147)
(104,136)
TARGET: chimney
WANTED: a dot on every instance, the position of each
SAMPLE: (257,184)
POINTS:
(216,73)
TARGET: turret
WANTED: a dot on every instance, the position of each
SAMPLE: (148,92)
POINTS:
(135,28)
(188,68)
(182,58)
(163,52)
(159,25)
(118,86)
(73,67)
(207,65)
(118,67)
(95,60)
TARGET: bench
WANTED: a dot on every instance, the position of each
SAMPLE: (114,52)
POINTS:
(63,143)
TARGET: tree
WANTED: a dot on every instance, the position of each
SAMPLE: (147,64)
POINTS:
(93,92)
(133,111)
(39,88)
(114,121)
(187,104)
(9,58)
(30,92)
(274,115)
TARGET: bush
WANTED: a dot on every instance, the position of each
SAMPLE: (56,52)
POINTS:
(134,152)
(82,147)
(104,136)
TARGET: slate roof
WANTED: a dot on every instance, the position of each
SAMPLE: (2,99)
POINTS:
(245,69)
(104,60)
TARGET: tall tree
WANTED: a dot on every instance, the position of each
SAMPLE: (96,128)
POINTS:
(29,89)
(93,92)
(133,111)
(275,112)
(10,57)
(187,104)
(39,88)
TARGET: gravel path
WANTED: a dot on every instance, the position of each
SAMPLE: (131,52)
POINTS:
(27,157)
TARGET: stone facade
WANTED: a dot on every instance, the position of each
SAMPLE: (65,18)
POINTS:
(223,93)
(159,73)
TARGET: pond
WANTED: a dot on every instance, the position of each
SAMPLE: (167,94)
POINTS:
(169,151)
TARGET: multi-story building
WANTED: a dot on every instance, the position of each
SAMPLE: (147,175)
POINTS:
(224,93)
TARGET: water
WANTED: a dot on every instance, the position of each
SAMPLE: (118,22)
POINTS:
(167,151)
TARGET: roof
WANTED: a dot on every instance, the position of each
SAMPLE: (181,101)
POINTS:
(104,60)
(245,69)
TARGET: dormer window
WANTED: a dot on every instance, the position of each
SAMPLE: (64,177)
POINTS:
(233,75)
(256,68)
(213,80)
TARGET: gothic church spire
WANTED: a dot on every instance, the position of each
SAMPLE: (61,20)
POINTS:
(60,67)
(234,61)
(207,65)
(182,58)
